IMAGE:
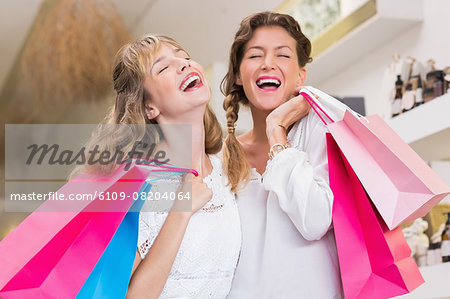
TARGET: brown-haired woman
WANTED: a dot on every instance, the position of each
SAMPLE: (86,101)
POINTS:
(180,254)
(285,202)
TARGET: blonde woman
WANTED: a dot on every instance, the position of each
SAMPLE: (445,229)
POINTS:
(190,254)
(279,168)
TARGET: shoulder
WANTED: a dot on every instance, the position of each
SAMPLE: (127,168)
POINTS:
(310,126)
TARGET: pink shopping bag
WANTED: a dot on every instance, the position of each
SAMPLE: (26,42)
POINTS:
(410,188)
(374,261)
(400,184)
(36,257)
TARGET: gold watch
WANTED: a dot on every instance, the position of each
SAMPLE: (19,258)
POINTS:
(276,148)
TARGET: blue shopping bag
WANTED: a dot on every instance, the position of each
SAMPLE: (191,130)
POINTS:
(111,275)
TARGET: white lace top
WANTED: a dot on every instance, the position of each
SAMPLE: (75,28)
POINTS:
(207,258)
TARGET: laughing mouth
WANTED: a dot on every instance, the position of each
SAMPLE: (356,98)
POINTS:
(268,83)
(191,82)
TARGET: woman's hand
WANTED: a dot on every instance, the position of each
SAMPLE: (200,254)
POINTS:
(150,274)
(285,115)
(200,194)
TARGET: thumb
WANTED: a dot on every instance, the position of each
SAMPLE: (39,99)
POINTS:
(297,90)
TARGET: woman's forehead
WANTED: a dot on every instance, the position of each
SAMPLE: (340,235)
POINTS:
(168,48)
(271,36)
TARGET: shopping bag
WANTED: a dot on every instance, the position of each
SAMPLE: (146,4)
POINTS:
(400,184)
(111,275)
(51,254)
(37,255)
(375,262)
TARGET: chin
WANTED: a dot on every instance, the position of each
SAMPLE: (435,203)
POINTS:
(268,103)
(205,95)
(202,100)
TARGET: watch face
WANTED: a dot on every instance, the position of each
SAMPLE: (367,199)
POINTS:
(275,149)
(278,148)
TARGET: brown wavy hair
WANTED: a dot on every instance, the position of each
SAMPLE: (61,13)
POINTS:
(131,64)
(235,162)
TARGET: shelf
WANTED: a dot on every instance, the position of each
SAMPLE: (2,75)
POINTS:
(436,283)
(389,19)
(426,128)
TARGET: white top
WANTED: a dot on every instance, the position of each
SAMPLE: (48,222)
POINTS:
(288,246)
(207,258)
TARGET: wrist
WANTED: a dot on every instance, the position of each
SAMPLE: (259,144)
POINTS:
(272,123)
(181,216)
(278,134)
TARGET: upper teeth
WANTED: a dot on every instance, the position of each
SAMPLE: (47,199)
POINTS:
(189,81)
(262,81)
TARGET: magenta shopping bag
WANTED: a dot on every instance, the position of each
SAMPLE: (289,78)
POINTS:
(54,250)
(37,257)
(400,184)
(374,261)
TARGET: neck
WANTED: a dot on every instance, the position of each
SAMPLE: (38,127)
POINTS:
(259,125)
(179,137)
(200,160)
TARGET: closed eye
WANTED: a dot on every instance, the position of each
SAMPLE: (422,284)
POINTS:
(285,56)
(164,68)
(255,56)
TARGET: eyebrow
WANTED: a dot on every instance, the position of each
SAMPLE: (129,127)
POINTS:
(176,50)
(261,48)
(158,60)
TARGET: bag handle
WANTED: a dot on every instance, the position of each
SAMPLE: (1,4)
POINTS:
(309,95)
(306,94)
(167,168)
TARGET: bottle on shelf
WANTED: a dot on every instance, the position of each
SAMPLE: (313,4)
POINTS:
(435,80)
(428,94)
(445,245)
(447,83)
(419,92)
(447,79)
(434,254)
(397,103)
(408,98)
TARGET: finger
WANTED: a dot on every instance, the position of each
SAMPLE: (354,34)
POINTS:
(197,179)
(297,90)
(188,176)
(316,96)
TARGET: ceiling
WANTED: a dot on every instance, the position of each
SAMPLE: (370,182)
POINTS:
(204,27)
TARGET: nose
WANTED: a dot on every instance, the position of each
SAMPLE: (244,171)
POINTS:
(183,65)
(268,63)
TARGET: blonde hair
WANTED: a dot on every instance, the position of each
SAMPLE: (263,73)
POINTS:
(131,65)
(235,162)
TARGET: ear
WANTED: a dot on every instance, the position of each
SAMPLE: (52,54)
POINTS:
(238,80)
(301,77)
(151,111)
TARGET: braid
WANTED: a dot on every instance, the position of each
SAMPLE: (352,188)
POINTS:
(235,163)
(231,107)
